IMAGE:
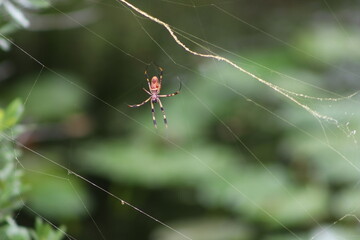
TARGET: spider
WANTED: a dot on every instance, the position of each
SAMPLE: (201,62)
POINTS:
(154,90)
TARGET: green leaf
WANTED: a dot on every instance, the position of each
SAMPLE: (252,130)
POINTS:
(32,4)
(12,231)
(1,116)
(4,45)
(8,28)
(44,231)
(16,14)
(11,186)
(12,114)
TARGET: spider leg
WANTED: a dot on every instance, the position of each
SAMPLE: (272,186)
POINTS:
(147,76)
(169,95)
(172,94)
(147,91)
(161,74)
(163,112)
(153,113)
(140,104)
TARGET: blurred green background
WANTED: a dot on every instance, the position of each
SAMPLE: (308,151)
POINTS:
(238,161)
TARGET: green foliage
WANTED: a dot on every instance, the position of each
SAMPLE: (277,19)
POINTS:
(54,198)
(208,229)
(57,198)
(290,193)
(300,182)
(13,14)
(12,186)
(6,29)
(44,231)
(11,115)
(12,231)
(57,92)
(10,176)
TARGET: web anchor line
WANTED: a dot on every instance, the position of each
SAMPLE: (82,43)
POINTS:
(219,58)
(277,88)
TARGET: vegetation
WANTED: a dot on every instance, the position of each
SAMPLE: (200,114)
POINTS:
(238,161)
(12,186)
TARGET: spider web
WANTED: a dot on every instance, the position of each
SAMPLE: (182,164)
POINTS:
(331,123)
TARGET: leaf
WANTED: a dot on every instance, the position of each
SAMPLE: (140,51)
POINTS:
(8,28)
(45,231)
(12,114)
(11,186)
(16,14)
(14,232)
(4,45)
(33,4)
(1,116)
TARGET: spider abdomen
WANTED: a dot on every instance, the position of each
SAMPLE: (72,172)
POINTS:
(154,98)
